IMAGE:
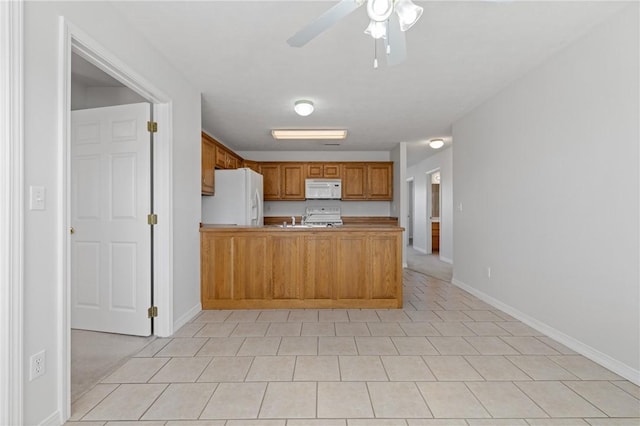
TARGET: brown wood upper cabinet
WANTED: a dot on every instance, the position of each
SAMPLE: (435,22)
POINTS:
(233,162)
(270,180)
(354,181)
(360,181)
(292,181)
(379,181)
(208,165)
(367,181)
(221,157)
(323,170)
(283,181)
(226,159)
(253,165)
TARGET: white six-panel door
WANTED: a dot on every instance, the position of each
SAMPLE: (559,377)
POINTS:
(110,201)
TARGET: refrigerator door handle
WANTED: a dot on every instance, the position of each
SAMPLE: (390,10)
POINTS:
(255,208)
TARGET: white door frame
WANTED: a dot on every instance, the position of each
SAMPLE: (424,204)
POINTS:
(76,40)
(11,212)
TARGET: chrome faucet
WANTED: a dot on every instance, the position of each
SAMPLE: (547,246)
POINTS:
(293,221)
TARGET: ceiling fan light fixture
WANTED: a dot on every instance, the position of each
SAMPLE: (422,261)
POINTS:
(436,143)
(297,134)
(379,10)
(303,107)
(376,29)
(408,12)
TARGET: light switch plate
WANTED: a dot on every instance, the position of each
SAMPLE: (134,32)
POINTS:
(37,197)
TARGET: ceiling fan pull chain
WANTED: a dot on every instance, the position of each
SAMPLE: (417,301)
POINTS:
(388,39)
(375,54)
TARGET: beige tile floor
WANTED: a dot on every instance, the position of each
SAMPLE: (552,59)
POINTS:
(445,359)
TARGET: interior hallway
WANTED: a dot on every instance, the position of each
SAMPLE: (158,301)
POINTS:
(446,358)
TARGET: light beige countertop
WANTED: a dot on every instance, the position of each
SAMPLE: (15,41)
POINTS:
(298,228)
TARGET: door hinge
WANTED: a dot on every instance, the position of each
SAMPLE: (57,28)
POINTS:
(152,312)
(152,126)
(152,219)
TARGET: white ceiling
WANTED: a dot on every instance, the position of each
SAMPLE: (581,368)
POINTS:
(459,54)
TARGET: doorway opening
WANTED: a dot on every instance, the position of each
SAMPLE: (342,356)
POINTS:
(110,171)
(129,87)
(425,256)
(434,210)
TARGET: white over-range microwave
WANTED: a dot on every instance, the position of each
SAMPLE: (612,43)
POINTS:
(323,189)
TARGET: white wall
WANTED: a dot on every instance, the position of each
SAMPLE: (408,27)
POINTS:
(348,208)
(422,225)
(548,174)
(42,261)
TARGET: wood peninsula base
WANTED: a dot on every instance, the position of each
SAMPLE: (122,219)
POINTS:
(289,268)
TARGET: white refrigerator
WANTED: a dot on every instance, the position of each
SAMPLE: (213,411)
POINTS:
(238,199)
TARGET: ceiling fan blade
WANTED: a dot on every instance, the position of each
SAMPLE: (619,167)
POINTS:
(323,22)
(396,42)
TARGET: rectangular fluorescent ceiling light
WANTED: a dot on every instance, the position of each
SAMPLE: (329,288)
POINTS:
(309,134)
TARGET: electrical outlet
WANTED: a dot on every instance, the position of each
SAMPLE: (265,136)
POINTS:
(38,364)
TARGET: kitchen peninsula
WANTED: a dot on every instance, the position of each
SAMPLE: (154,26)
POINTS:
(264,267)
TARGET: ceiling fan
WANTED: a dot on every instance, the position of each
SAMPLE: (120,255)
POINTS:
(389,19)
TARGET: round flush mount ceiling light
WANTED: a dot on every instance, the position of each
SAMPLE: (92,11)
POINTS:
(436,143)
(303,107)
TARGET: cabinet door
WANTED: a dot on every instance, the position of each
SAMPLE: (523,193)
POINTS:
(286,266)
(331,170)
(292,181)
(319,267)
(352,267)
(216,254)
(233,162)
(250,278)
(221,157)
(380,181)
(314,170)
(208,166)
(270,181)
(354,180)
(384,278)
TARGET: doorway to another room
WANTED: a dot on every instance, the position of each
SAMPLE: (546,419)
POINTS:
(424,214)
(110,177)
(433,182)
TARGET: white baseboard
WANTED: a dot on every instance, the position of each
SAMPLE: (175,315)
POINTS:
(446,260)
(55,419)
(420,250)
(593,354)
(188,316)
